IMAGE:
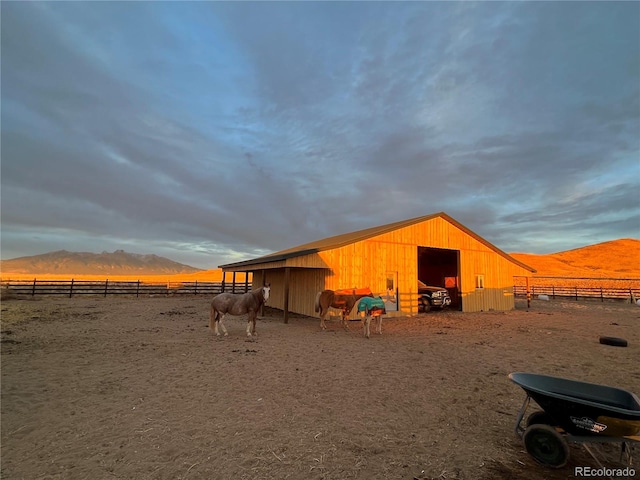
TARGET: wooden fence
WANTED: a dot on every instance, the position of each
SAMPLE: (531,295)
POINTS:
(83,287)
(579,288)
(555,287)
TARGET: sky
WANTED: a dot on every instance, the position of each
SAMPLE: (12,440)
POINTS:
(215,132)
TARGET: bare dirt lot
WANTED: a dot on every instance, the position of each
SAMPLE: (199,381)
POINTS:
(133,388)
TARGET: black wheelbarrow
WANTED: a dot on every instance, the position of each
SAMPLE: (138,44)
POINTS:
(576,412)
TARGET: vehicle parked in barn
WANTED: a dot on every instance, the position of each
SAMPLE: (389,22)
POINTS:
(432,297)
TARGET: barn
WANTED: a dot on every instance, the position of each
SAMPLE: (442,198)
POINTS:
(390,259)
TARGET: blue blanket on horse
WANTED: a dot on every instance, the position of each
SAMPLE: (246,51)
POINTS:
(369,305)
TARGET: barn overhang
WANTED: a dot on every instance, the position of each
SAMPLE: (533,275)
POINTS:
(269,261)
(259,271)
(268,266)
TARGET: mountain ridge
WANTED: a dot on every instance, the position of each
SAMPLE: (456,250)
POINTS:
(78,263)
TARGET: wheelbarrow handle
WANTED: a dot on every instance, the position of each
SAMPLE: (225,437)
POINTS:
(518,429)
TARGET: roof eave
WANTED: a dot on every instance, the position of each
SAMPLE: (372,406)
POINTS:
(269,258)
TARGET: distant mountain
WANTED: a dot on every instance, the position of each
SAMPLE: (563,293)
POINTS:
(614,259)
(83,263)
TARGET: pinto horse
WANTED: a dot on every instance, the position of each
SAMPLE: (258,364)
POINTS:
(343,300)
(238,304)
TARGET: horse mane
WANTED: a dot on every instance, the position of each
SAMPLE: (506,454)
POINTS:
(258,295)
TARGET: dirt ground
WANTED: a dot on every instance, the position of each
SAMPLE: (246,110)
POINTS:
(133,388)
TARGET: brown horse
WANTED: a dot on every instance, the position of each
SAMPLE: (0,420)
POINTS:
(238,304)
(343,300)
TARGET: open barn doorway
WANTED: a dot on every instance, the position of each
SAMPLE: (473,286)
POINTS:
(440,267)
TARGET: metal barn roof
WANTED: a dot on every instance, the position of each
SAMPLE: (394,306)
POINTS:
(338,241)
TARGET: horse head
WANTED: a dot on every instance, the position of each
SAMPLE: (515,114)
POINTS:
(265,291)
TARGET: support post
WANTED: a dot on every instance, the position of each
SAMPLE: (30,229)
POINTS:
(528,294)
(71,289)
(264,279)
(106,286)
(233,283)
(224,274)
(287,276)
(246,282)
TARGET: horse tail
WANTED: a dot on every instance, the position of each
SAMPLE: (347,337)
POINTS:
(212,316)
(317,304)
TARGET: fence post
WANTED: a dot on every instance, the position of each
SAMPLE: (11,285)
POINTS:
(601,295)
(106,285)
(138,289)
(576,293)
(553,292)
(246,282)
(195,291)
(71,289)
(33,291)
(223,275)
(528,295)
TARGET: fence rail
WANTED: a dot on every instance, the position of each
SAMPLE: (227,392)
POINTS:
(579,288)
(82,287)
(554,287)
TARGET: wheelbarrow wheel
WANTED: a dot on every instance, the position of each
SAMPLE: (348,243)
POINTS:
(546,445)
(539,418)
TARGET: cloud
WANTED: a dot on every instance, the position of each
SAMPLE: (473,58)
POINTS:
(212,132)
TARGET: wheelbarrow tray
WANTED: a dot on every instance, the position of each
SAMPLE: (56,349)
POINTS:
(581,408)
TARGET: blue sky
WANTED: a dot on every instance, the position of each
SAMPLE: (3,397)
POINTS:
(216,132)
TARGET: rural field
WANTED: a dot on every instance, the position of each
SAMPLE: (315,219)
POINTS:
(124,388)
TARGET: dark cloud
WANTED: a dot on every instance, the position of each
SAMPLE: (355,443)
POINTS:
(213,132)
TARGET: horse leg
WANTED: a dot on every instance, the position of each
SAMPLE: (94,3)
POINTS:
(323,313)
(379,324)
(345,314)
(219,321)
(251,323)
(367,322)
(212,319)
